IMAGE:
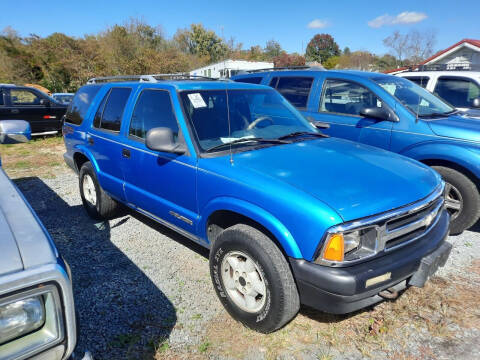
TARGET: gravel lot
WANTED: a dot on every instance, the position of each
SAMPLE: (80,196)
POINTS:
(143,291)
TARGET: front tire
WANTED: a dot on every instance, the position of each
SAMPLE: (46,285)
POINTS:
(97,203)
(462,199)
(253,279)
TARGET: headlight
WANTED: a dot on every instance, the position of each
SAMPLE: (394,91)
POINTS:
(348,245)
(31,321)
(21,317)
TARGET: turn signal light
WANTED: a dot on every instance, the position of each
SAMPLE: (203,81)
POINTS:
(334,251)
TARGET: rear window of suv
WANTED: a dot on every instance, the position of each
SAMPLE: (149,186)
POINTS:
(109,114)
(81,102)
(294,89)
(250,80)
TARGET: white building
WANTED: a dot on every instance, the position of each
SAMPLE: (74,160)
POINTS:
(228,68)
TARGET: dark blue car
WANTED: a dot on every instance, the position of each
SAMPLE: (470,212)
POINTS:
(394,114)
(290,215)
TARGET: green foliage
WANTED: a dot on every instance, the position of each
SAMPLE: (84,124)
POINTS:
(331,62)
(201,42)
(321,47)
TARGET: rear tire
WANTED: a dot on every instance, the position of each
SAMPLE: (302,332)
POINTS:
(97,203)
(462,199)
(253,279)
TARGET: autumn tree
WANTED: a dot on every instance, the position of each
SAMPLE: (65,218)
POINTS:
(286,60)
(321,47)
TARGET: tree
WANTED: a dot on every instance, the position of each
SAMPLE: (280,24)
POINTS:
(272,49)
(331,62)
(420,45)
(412,47)
(199,41)
(359,60)
(346,51)
(286,60)
(321,47)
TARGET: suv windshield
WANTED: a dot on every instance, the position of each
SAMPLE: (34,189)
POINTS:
(421,102)
(227,116)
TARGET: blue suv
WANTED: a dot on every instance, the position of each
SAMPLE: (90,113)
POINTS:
(290,215)
(394,114)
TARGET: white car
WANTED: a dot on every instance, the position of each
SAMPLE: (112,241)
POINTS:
(461,88)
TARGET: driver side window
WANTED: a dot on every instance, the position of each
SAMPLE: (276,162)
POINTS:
(153,109)
(345,97)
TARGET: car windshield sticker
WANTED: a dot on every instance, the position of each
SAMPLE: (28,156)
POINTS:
(197,100)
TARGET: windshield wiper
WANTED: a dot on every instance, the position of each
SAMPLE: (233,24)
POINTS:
(302,133)
(447,114)
(247,140)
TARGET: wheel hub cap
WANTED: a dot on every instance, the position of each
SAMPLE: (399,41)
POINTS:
(243,281)
(453,200)
(89,191)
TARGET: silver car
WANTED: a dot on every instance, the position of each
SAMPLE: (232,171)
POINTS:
(37,314)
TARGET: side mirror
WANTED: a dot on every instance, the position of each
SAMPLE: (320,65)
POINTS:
(44,102)
(161,139)
(476,102)
(377,113)
(14,131)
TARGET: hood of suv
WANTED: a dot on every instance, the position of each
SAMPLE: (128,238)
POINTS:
(463,127)
(355,180)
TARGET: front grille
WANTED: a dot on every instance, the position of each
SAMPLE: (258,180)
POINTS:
(409,227)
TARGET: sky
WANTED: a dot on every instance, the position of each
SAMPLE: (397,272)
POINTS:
(360,25)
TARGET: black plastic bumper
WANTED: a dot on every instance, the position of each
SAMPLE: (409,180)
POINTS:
(341,290)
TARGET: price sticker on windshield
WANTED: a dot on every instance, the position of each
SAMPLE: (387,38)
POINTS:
(197,100)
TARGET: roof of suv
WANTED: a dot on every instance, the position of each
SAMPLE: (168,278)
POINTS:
(364,74)
(190,84)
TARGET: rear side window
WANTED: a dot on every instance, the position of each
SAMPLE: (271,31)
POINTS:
(459,92)
(153,109)
(110,112)
(79,106)
(294,89)
(419,80)
(250,80)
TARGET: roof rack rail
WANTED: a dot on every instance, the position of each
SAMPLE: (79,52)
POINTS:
(286,68)
(151,78)
(445,67)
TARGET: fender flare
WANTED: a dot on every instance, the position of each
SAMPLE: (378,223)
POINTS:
(82,149)
(453,153)
(256,213)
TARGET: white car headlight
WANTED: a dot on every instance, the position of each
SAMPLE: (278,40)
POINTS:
(21,317)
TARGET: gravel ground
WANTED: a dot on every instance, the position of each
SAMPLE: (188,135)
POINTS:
(141,289)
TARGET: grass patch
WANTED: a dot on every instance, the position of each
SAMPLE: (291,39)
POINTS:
(204,346)
(38,157)
(431,310)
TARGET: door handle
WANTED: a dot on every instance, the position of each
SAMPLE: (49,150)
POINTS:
(126,153)
(15,111)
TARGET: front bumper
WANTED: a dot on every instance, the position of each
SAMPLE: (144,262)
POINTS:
(341,290)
